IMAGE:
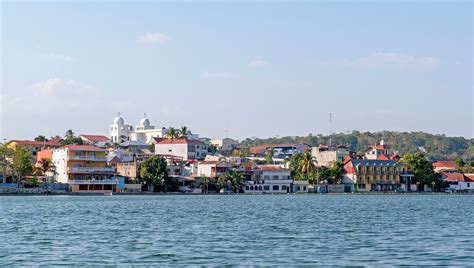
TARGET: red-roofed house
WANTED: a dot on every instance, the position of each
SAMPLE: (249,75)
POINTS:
(99,140)
(85,168)
(459,182)
(446,166)
(185,148)
(374,152)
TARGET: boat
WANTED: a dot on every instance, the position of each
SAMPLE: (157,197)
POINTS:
(108,193)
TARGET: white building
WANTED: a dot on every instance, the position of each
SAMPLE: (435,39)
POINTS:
(120,132)
(187,149)
(212,169)
(270,179)
(326,155)
(226,144)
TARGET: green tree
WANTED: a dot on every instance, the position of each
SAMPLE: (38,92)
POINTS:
(303,166)
(337,172)
(184,132)
(421,168)
(46,165)
(244,152)
(459,162)
(6,155)
(173,133)
(211,149)
(69,138)
(235,178)
(269,155)
(154,172)
(22,162)
(41,138)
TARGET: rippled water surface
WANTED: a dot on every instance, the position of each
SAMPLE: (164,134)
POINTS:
(250,230)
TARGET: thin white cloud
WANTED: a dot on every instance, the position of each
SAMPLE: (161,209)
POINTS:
(60,57)
(52,94)
(392,60)
(220,76)
(258,62)
(153,38)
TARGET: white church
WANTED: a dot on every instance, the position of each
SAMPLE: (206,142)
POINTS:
(120,132)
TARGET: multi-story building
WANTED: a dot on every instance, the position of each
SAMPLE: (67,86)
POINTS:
(212,169)
(363,175)
(85,168)
(269,179)
(326,155)
(187,149)
(226,144)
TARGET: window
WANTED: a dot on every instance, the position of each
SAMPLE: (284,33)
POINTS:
(260,187)
(275,177)
(266,188)
(247,188)
(266,177)
(78,153)
(304,188)
(299,188)
(276,187)
(283,187)
(251,188)
(83,187)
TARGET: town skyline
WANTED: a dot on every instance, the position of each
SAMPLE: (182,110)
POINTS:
(239,70)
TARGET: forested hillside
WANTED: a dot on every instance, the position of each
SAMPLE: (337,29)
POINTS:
(435,147)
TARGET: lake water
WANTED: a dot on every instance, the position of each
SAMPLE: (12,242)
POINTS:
(237,230)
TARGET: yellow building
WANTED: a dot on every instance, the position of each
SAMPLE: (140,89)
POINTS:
(85,168)
(365,175)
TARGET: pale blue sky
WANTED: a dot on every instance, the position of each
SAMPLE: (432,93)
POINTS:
(259,68)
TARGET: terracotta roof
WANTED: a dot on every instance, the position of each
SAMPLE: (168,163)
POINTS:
(36,143)
(76,147)
(453,177)
(469,177)
(95,138)
(383,157)
(448,164)
(180,141)
(269,168)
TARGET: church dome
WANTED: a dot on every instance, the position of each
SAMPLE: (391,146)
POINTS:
(144,122)
(118,120)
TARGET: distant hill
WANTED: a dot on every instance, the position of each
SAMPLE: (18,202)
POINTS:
(435,147)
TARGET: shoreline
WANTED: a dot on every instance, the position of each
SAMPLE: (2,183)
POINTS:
(227,194)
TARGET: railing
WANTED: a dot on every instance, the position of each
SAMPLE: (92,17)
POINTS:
(106,181)
(87,157)
(91,169)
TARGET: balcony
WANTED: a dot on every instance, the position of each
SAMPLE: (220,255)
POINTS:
(91,170)
(87,158)
(107,181)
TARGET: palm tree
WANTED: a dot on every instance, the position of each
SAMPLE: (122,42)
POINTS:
(236,179)
(302,166)
(269,155)
(184,132)
(46,165)
(173,133)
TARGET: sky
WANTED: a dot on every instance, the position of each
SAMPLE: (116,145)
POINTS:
(238,69)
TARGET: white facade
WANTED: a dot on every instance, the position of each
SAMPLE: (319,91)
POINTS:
(270,179)
(212,169)
(59,159)
(120,132)
(186,149)
(226,144)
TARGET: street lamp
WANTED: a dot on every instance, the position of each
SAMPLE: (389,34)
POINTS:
(432,186)
(418,186)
